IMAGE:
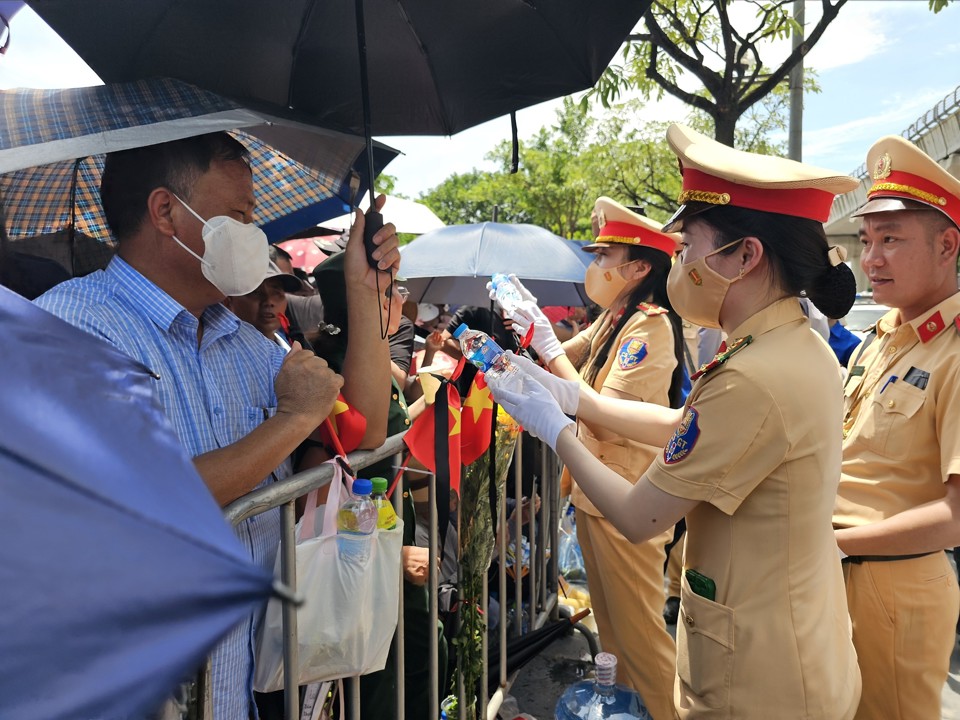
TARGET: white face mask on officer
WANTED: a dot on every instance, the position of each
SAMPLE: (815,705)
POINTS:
(235,254)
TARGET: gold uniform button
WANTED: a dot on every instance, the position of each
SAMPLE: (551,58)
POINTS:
(890,403)
(406,421)
(395,397)
(891,350)
(689,620)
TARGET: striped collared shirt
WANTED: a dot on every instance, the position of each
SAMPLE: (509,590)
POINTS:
(213,394)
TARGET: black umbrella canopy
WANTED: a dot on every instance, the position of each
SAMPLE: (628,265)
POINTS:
(436,67)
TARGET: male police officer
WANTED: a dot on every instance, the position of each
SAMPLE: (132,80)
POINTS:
(898,503)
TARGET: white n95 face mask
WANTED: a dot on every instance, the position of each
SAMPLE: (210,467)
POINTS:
(235,255)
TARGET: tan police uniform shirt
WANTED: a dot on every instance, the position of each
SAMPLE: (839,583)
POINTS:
(757,446)
(902,436)
(640,365)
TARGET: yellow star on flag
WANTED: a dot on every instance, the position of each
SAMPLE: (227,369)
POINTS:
(478,400)
(339,407)
(455,427)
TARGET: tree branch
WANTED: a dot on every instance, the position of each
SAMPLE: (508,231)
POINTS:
(674,89)
(830,11)
(660,40)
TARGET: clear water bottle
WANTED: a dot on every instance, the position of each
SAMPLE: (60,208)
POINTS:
(601,698)
(508,297)
(386,515)
(482,350)
(356,521)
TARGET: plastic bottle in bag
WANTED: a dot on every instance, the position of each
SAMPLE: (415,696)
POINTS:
(569,555)
(356,521)
(386,515)
(482,350)
(508,297)
(602,697)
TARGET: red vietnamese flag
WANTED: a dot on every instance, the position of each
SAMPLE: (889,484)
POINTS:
(348,424)
(476,423)
(421,438)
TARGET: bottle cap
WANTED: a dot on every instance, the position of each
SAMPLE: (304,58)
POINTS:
(362,487)
(379,484)
(606,668)
(460,330)
(498,278)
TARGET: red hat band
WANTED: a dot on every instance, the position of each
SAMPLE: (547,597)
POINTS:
(627,233)
(809,203)
(908,186)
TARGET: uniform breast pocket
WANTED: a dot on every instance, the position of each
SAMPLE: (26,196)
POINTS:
(892,424)
(705,634)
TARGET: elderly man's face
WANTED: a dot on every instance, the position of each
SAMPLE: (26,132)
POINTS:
(226,188)
(261,308)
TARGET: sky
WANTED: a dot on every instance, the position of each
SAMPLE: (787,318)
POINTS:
(881,64)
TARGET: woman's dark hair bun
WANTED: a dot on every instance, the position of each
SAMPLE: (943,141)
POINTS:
(834,291)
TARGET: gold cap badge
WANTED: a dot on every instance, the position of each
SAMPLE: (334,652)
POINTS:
(882,167)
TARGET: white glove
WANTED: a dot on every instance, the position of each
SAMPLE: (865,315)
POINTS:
(544,340)
(528,313)
(534,407)
(565,392)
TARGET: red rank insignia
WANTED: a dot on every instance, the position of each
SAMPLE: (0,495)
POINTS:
(722,356)
(930,328)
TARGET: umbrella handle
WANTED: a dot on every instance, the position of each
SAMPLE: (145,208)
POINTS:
(373,221)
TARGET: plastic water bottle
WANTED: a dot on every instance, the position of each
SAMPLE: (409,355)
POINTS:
(508,297)
(601,698)
(482,350)
(386,515)
(356,521)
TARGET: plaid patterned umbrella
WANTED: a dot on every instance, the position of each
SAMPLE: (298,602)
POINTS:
(52,144)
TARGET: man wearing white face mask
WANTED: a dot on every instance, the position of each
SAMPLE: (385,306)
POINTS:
(182,213)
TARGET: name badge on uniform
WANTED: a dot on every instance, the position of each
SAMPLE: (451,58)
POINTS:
(631,353)
(684,438)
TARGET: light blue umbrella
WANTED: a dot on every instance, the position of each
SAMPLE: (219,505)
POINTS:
(454,263)
(118,573)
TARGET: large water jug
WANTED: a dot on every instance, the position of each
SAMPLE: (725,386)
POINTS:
(601,698)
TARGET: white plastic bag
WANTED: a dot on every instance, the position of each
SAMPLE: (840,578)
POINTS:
(347,623)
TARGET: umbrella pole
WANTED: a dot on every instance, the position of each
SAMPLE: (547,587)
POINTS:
(365,97)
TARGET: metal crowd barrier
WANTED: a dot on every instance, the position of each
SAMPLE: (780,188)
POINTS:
(541,582)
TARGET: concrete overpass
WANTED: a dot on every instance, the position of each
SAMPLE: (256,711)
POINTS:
(937,133)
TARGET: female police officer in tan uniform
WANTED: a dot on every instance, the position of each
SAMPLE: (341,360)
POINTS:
(753,458)
(632,351)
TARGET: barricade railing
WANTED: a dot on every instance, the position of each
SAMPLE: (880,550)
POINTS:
(541,581)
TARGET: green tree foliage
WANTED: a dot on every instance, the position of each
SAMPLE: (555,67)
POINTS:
(699,38)
(565,167)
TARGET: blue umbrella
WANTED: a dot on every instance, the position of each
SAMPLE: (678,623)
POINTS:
(578,246)
(51,153)
(454,263)
(118,573)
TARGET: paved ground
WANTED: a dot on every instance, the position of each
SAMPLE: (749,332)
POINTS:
(541,682)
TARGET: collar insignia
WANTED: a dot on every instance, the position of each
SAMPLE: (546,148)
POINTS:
(721,357)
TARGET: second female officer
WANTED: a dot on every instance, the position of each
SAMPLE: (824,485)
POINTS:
(632,351)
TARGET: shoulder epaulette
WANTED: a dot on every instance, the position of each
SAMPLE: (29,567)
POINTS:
(651,309)
(721,357)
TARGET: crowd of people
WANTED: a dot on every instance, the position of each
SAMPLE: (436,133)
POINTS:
(817,477)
